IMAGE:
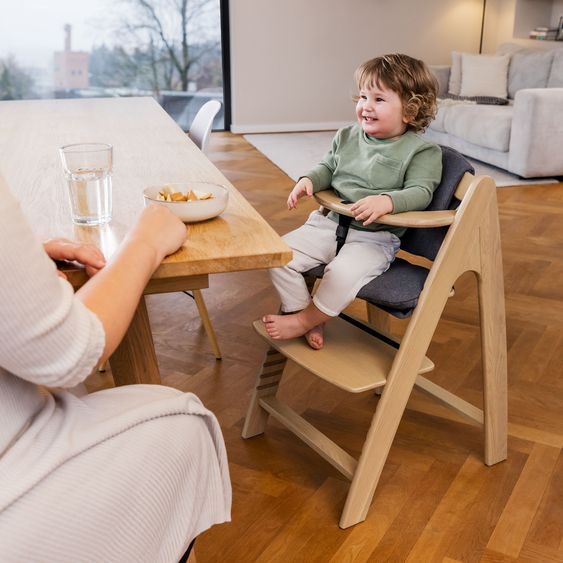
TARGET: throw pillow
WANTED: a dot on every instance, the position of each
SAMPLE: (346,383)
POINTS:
(528,69)
(484,75)
(485,100)
(454,86)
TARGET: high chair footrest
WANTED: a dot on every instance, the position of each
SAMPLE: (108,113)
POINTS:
(350,359)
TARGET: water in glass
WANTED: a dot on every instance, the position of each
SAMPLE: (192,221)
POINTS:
(90,195)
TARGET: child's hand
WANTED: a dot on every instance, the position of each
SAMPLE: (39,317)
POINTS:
(303,187)
(370,208)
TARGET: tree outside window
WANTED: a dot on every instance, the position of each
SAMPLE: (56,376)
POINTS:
(170,49)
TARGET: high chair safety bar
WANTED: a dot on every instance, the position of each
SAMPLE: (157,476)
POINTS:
(415,219)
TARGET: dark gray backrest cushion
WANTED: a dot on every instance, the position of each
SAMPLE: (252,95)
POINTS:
(427,242)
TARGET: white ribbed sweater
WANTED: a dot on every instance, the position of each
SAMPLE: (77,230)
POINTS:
(153,452)
(46,336)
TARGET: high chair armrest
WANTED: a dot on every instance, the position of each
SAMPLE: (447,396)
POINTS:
(417,219)
(331,200)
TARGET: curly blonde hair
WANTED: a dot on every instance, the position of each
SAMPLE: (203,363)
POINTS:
(410,78)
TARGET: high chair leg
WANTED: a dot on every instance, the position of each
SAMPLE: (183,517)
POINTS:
(267,383)
(371,462)
(493,342)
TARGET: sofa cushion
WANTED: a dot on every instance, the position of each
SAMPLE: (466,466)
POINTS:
(509,48)
(454,85)
(528,69)
(438,122)
(555,79)
(486,126)
(442,74)
(484,75)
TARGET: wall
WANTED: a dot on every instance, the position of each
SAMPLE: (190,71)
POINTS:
(292,61)
(509,21)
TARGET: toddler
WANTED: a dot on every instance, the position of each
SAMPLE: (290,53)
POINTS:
(380,165)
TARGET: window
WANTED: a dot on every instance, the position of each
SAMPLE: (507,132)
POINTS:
(170,49)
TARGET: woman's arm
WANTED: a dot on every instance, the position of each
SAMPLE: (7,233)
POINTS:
(113,293)
(49,335)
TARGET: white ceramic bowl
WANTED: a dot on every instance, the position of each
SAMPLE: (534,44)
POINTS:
(191,211)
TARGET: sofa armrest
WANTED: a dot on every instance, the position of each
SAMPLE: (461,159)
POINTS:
(536,135)
(442,73)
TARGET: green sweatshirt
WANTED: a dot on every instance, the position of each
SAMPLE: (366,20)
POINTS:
(407,169)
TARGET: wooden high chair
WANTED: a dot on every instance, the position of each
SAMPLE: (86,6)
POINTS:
(459,232)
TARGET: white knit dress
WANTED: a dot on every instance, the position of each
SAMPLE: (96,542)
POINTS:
(130,474)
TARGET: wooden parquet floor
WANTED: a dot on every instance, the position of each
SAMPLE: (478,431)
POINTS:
(436,500)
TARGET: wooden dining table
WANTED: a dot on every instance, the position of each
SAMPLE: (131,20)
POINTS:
(149,149)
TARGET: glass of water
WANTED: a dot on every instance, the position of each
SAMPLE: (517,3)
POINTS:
(87,168)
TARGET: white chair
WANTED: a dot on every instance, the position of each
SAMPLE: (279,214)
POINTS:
(202,123)
(199,134)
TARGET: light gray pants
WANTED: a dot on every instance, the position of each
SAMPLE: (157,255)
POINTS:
(364,256)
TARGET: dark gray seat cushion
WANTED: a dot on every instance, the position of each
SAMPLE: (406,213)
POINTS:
(398,289)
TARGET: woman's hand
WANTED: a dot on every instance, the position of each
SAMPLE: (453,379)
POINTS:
(89,255)
(370,208)
(159,229)
(303,187)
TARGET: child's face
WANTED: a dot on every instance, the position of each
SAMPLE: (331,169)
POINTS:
(380,112)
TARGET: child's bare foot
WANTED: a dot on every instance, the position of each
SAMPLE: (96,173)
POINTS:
(283,327)
(308,322)
(315,337)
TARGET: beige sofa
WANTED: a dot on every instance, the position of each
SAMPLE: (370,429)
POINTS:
(525,136)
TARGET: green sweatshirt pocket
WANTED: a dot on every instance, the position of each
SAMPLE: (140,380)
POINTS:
(385,174)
